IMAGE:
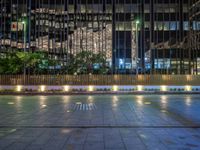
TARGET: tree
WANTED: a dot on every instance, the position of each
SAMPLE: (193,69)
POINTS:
(85,62)
(15,62)
(29,60)
(10,64)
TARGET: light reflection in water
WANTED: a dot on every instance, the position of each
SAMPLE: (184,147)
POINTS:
(147,103)
(18,102)
(90,99)
(163,111)
(188,101)
(18,98)
(164,101)
(65,131)
(44,106)
(78,103)
(43,101)
(115,101)
(65,99)
(11,103)
(140,99)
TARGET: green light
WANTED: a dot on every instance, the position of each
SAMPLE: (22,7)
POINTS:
(137,21)
(24,21)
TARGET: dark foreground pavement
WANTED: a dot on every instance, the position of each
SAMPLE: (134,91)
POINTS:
(100,122)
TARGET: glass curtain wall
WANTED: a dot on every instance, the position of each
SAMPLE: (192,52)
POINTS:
(137,36)
(194,37)
(169,29)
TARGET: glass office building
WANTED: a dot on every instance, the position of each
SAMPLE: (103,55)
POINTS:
(137,36)
(194,35)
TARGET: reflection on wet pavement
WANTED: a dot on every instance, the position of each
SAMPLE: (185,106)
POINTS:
(100,122)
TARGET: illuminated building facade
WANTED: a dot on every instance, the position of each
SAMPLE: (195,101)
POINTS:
(194,36)
(137,36)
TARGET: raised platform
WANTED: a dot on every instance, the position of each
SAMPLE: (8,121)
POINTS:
(91,89)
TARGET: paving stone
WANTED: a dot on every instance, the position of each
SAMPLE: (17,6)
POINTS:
(94,146)
(73,147)
(130,123)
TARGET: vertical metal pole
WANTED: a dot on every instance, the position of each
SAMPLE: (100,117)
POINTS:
(136,48)
(24,28)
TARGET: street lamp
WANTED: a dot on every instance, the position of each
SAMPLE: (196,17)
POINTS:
(137,22)
(24,29)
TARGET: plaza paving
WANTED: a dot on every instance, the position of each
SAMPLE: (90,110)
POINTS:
(100,122)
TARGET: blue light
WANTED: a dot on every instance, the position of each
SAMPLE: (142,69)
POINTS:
(121,61)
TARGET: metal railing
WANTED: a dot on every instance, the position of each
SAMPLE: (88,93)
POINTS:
(100,80)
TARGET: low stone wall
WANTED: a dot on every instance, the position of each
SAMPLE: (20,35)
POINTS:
(99,89)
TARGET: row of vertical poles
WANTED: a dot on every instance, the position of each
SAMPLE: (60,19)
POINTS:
(194,36)
(167,44)
(74,30)
(122,40)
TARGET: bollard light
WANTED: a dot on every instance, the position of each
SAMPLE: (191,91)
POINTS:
(139,88)
(66,88)
(188,88)
(42,88)
(115,88)
(90,88)
(163,88)
(19,88)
